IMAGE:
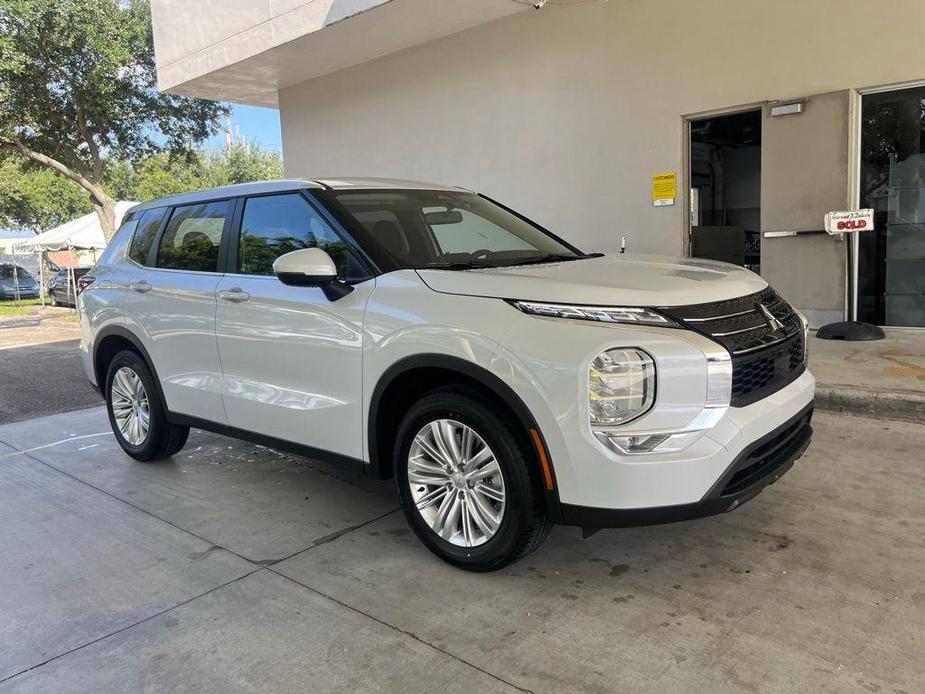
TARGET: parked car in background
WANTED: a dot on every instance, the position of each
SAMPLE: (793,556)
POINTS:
(16,282)
(60,287)
(505,379)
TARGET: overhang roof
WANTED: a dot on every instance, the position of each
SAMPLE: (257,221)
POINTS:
(245,52)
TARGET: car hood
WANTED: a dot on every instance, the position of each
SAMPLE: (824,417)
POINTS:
(614,280)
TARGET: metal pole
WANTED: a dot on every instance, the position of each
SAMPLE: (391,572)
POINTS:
(72,284)
(854,250)
(15,280)
(42,278)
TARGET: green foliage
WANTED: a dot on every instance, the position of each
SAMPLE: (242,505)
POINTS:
(77,78)
(163,174)
(242,162)
(78,87)
(37,198)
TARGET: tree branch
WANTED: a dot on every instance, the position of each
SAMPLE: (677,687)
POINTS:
(96,192)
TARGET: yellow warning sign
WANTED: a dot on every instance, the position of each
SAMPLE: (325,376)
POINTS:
(664,188)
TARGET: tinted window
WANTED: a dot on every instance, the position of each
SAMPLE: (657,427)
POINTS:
(192,237)
(277,224)
(146,229)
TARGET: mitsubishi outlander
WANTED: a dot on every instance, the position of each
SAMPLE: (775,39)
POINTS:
(505,379)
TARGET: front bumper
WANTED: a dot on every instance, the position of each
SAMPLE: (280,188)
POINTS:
(758,465)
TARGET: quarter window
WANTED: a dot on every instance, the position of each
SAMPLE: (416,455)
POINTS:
(192,237)
(273,225)
(145,231)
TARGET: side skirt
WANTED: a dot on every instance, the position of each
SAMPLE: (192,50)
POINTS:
(346,461)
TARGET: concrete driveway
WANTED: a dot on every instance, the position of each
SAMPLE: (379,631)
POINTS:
(236,568)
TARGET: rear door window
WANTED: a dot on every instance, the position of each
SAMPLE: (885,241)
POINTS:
(192,237)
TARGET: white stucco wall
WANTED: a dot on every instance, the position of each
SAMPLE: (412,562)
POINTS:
(565,113)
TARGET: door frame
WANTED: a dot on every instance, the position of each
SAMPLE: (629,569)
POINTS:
(686,140)
(855,99)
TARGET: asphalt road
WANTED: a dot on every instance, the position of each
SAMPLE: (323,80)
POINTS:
(43,379)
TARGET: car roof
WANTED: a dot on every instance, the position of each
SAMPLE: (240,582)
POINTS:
(289,184)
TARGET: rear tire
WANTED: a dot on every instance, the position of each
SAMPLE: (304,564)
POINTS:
(504,503)
(137,413)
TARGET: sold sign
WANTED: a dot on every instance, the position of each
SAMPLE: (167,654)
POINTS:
(853,220)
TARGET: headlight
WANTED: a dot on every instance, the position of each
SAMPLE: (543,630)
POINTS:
(621,386)
(603,314)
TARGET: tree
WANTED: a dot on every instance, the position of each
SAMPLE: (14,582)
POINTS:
(37,198)
(78,86)
(165,174)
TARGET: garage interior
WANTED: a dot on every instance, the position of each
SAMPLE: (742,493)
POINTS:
(725,193)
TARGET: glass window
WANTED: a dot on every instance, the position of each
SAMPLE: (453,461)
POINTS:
(147,225)
(115,249)
(192,237)
(467,232)
(7,273)
(891,263)
(273,225)
(457,230)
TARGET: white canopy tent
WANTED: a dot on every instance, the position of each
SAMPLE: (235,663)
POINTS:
(83,233)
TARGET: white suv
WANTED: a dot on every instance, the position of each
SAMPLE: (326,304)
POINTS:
(506,380)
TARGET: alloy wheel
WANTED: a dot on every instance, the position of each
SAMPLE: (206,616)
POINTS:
(456,483)
(130,406)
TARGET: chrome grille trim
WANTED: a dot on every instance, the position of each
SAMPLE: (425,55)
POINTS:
(763,358)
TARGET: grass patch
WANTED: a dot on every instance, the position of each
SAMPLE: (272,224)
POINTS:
(10,308)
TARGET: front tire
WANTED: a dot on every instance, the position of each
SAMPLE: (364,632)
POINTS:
(136,413)
(466,483)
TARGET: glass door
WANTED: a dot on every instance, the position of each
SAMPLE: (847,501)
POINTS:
(891,263)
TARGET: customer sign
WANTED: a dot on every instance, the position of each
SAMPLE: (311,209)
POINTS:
(664,188)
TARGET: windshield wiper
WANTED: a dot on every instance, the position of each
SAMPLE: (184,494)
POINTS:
(458,265)
(555,257)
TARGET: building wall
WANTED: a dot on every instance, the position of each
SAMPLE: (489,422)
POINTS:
(565,113)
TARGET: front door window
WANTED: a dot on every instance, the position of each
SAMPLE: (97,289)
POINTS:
(891,272)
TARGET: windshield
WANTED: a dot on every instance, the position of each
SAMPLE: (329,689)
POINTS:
(6,273)
(450,230)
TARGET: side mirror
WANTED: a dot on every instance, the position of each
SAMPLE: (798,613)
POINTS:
(311,267)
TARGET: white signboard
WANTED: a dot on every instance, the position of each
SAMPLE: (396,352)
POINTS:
(849,220)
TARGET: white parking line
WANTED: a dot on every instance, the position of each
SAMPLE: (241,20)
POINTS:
(56,443)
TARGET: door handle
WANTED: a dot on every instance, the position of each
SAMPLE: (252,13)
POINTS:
(142,286)
(235,295)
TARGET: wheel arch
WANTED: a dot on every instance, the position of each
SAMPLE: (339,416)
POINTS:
(108,343)
(411,377)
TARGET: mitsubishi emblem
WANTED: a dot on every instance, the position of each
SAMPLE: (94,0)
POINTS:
(773,323)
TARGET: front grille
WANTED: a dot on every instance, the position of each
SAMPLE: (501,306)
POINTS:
(765,357)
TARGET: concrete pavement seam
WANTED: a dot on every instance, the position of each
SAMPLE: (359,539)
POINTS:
(261,564)
(129,626)
(405,632)
(258,567)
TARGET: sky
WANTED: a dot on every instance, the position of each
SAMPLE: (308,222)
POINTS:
(257,123)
